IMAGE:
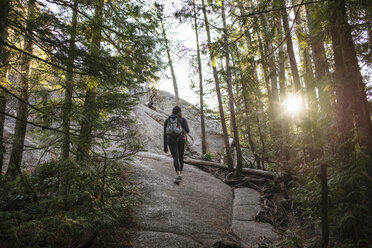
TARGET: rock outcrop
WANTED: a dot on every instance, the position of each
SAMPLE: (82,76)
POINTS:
(156,105)
(194,213)
(199,211)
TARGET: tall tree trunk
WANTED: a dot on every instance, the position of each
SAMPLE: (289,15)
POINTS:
(321,65)
(245,121)
(201,93)
(259,109)
(351,95)
(310,127)
(4,12)
(265,70)
(275,130)
(3,79)
(22,112)
(284,151)
(3,76)
(218,92)
(344,88)
(266,77)
(290,51)
(66,109)
(247,127)
(170,63)
(239,159)
(90,108)
(253,71)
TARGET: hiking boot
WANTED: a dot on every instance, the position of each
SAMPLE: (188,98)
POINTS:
(178,179)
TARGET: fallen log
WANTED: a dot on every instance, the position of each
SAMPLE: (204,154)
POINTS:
(220,166)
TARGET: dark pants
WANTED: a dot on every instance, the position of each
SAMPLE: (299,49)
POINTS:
(177,150)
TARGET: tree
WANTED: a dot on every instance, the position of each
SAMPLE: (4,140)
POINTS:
(310,126)
(321,65)
(290,51)
(351,96)
(272,74)
(201,93)
(90,109)
(160,9)
(16,154)
(3,80)
(66,109)
(4,12)
(218,91)
(239,162)
(284,149)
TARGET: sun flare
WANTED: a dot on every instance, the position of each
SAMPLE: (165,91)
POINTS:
(293,104)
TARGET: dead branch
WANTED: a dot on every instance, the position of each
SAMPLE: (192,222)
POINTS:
(267,174)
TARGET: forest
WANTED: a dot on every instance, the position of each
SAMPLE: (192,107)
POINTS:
(289,81)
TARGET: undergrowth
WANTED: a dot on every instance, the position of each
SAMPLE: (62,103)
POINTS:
(63,204)
(350,218)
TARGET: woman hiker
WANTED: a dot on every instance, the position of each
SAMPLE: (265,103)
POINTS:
(175,129)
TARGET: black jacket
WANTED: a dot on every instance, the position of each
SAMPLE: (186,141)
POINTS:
(184,125)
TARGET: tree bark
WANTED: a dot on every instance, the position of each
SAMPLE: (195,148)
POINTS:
(220,166)
(284,150)
(66,109)
(351,95)
(310,127)
(218,92)
(344,88)
(90,109)
(259,109)
(3,78)
(4,12)
(265,74)
(275,130)
(22,111)
(201,93)
(253,71)
(290,51)
(239,159)
(321,65)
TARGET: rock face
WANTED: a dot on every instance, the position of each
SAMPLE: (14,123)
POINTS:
(246,206)
(194,213)
(200,210)
(155,106)
(31,156)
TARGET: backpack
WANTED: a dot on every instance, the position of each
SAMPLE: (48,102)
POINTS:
(174,128)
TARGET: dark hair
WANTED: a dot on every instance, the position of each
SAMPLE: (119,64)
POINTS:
(178,112)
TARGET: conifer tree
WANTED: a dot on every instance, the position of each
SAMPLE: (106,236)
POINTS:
(90,108)
(290,50)
(160,9)
(66,109)
(239,159)
(200,72)
(351,97)
(14,167)
(212,56)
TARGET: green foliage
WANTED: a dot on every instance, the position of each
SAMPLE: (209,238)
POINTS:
(71,202)
(207,156)
(350,218)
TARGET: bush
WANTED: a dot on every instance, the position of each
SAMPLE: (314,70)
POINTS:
(207,156)
(63,204)
(350,218)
